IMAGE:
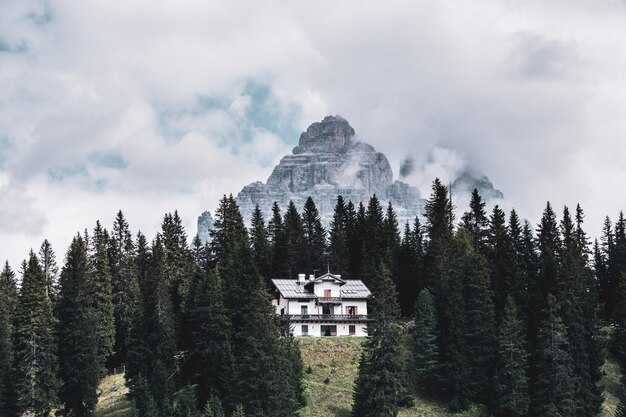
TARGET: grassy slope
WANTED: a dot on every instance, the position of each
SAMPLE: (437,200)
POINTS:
(334,398)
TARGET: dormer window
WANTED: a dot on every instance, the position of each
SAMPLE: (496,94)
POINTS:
(327,293)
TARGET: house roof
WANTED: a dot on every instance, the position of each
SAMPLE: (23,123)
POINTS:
(289,288)
(329,277)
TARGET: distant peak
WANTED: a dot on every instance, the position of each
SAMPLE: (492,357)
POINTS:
(333,134)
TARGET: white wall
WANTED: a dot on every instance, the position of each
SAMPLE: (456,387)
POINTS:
(342,329)
(335,289)
(361,306)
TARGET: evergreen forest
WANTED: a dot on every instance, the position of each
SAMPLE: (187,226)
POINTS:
(515,316)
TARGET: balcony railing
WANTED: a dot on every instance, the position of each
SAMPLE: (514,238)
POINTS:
(329,300)
(327,317)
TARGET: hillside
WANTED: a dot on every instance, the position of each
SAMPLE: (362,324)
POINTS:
(330,393)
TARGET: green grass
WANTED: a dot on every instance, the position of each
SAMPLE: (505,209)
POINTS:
(611,383)
(113,401)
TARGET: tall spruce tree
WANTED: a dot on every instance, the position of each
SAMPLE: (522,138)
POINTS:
(47,260)
(380,388)
(425,351)
(8,304)
(475,221)
(80,329)
(410,267)
(97,273)
(124,285)
(278,239)
(296,243)
(510,384)
(314,237)
(35,343)
(554,384)
(356,237)
(261,248)
(339,258)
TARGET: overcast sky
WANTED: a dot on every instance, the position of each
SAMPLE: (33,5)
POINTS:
(150,106)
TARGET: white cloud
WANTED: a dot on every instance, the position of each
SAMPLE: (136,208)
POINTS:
(194,99)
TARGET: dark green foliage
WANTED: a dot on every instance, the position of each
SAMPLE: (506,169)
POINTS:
(475,222)
(80,333)
(185,404)
(510,384)
(8,303)
(315,238)
(213,407)
(35,343)
(143,402)
(261,248)
(212,361)
(47,260)
(410,262)
(278,239)
(97,274)
(339,258)
(152,342)
(549,244)
(425,350)
(621,407)
(380,388)
(554,384)
(296,243)
(239,411)
(124,284)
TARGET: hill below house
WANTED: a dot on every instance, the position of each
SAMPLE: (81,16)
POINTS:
(329,393)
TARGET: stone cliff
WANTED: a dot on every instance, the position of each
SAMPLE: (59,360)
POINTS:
(326,163)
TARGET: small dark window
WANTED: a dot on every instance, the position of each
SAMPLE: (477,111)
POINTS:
(351,330)
(305,330)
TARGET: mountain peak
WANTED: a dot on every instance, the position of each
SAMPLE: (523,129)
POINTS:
(332,135)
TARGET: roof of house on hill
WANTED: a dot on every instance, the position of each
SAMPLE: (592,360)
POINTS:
(290,288)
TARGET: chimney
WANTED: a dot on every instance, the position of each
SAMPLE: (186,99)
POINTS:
(301,278)
(311,277)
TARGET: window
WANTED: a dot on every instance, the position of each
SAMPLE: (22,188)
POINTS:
(305,330)
(352,330)
(304,310)
(352,311)
(327,293)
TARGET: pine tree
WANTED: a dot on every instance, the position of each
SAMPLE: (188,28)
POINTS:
(480,330)
(554,384)
(314,236)
(380,388)
(185,405)
(47,260)
(510,384)
(143,402)
(425,349)
(356,236)
(97,273)
(475,222)
(8,303)
(339,259)
(278,239)
(213,407)
(239,411)
(35,343)
(213,366)
(79,331)
(621,407)
(295,242)
(124,285)
(410,267)
(261,248)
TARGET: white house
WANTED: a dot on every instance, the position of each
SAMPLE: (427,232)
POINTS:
(322,306)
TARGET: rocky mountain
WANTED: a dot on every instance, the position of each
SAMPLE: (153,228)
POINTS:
(327,162)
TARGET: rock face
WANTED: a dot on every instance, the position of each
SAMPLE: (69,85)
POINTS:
(326,163)
(205,224)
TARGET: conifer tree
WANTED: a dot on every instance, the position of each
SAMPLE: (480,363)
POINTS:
(213,407)
(239,411)
(185,405)
(8,303)
(261,248)
(97,275)
(80,333)
(621,407)
(143,402)
(554,384)
(35,343)
(425,351)
(410,267)
(124,284)
(356,236)
(339,258)
(314,236)
(476,223)
(295,241)
(374,238)
(213,366)
(510,384)
(380,388)
(278,239)
(47,260)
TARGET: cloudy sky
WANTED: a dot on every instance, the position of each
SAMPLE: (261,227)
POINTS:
(150,106)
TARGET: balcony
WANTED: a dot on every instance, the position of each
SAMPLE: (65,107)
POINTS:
(329,300)
(328,317)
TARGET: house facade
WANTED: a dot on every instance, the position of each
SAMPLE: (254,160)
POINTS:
(322,306)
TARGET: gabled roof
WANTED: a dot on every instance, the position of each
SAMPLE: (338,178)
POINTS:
(327,277)
(289,288)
